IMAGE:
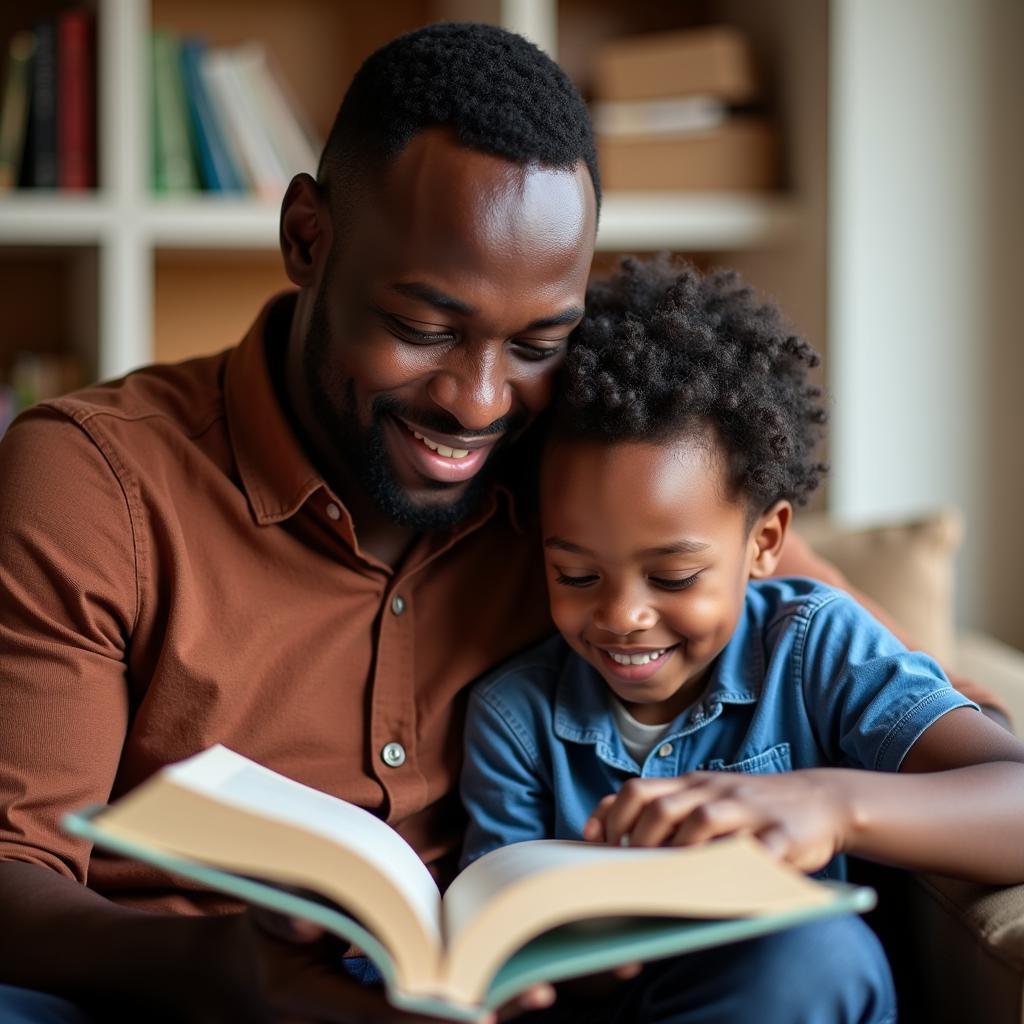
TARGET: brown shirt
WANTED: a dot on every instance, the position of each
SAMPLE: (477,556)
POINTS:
(174,573)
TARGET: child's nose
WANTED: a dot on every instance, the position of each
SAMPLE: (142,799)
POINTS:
(622,614)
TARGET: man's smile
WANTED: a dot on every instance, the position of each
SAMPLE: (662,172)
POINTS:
(443,458)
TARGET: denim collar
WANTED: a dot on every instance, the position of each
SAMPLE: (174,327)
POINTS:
(582,714)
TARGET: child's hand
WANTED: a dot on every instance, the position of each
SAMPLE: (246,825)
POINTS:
(797,815)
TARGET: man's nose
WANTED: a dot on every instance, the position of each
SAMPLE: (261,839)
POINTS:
(623,610)
(473,385)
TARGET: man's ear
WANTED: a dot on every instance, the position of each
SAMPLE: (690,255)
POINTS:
(306,231)
(767,538)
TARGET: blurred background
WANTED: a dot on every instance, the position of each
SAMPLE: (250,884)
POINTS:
(860,160)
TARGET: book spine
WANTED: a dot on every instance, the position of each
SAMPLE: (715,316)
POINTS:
(76,106)
(217,169)
(43,123)
(211,73)
(291,142)
(268,175)
(174,167)
(14,112)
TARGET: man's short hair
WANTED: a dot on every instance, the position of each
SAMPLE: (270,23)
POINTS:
(494,90)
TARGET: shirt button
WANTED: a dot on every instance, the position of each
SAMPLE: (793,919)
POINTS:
(397,604)
(393,755)
(333,512)
(665,749)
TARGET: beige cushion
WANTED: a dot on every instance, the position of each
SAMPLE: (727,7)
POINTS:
(908,568)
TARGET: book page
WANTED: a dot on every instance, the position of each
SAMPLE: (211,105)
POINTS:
(233,779)
(513,894)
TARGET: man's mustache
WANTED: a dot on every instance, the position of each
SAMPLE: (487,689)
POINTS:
(437,419)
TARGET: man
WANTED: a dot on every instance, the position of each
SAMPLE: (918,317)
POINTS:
(306,547)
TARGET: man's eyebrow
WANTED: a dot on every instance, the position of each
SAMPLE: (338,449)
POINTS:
(449,304)
(433,297)
(567,316)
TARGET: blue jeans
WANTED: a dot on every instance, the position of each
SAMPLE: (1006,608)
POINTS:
(830,972)
(22,1006)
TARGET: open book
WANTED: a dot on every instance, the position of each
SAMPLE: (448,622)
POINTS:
(535,911)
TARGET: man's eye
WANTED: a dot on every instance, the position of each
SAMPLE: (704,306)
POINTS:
(575,581)
(678,584)
(406,332)
(538,353)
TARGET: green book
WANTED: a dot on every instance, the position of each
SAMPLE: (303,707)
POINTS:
(536,911)
(174,165)
(15,108)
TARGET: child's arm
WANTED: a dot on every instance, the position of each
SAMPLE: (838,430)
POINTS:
(955,807)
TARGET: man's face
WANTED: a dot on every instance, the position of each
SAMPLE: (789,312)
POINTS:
(440,321)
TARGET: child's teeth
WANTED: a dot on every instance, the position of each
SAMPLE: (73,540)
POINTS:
(636,659)
(442,449)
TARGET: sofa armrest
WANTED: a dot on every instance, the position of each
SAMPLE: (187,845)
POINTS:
(969,952)
(999,667)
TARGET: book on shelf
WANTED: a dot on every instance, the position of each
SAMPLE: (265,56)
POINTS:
(218,169)
(42,144)
(739,154)
(14,111)
(711,61)
(173,167)
(673,112)
(531,912)
(674,116)
(243,129)
(76,99)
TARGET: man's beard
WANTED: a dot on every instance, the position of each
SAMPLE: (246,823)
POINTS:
(364,448)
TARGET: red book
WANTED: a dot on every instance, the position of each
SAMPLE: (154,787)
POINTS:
(76,100)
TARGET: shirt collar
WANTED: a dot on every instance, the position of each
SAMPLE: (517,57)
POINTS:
(275,472)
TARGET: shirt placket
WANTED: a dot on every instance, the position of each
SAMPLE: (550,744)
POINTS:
(392,704)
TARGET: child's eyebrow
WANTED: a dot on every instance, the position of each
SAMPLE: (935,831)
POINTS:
(679,547)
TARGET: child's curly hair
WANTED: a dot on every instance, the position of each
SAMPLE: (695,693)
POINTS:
(665,350)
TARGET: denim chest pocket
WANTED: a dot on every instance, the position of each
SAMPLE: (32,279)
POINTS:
(774,759)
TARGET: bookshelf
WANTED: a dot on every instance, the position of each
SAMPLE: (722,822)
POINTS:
(142,246)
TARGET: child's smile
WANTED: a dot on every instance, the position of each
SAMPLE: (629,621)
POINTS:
(648,560)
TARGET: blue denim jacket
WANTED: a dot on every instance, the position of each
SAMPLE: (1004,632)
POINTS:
(808,680)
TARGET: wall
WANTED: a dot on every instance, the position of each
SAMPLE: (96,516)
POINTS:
(924,104)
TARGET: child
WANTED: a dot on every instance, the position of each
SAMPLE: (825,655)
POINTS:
(689,696)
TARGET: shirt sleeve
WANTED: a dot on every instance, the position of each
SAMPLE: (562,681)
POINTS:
(505,790)
(869,698)
(68,597)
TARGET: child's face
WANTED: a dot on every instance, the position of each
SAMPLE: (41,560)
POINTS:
(648,559)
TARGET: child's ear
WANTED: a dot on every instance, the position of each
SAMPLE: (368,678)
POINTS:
(767,538)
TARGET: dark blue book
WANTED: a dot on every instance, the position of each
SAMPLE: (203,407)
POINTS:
(41,154)
(216,168)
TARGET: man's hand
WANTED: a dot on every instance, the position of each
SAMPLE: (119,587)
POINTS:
(797,815)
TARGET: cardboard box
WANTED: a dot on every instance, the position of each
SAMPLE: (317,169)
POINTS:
(714,61)
(741,154)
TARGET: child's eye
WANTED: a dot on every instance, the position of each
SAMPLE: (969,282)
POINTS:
(679,584)
(575,581)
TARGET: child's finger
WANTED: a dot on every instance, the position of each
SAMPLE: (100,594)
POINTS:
(621,816)
(713,819)
(659,819)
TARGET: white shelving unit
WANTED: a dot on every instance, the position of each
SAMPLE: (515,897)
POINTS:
(129,226)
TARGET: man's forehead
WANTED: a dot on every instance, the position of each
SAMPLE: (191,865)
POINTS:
(437,186)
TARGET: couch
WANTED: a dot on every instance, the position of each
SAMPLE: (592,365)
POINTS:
(957,948)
